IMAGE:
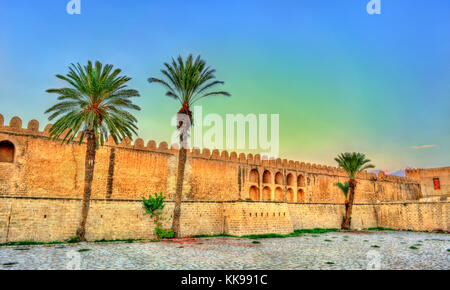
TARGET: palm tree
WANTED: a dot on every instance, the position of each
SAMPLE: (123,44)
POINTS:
(95,104)
(344,188)
(352,163)
(186,81)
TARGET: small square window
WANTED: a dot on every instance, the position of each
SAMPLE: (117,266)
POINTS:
(436,183)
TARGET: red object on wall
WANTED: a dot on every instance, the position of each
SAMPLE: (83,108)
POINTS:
(437,184)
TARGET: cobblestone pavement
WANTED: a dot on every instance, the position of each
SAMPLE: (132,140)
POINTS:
(338,250)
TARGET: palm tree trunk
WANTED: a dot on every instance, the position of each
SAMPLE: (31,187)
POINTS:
(184,123)
(179,192)
(88,177)
(349,205)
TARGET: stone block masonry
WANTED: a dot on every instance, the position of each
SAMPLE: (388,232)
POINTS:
(249,217)
(49,219)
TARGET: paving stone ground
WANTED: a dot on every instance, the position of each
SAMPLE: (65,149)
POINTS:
(337,250)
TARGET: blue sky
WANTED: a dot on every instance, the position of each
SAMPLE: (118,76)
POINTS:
(341,79)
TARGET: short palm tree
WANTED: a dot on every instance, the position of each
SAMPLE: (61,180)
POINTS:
(352,163)
(187,81)
(344,188)
(95,104)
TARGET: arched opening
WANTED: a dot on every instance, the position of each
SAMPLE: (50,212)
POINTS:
(290,195)
(279,194)
(301,195)
(279,178)
(301,181)
(7,152)
(254,193)
(267,193)
(267,177)
(290,179)
(254,176)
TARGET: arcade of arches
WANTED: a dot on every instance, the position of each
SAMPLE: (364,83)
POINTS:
(276,187)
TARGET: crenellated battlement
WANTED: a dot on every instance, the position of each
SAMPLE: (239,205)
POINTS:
(400,179)
(15,126)
(416,172)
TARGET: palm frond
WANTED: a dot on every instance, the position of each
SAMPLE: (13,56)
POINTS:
(353,163)
(97,100)
(188,80)
(344,187)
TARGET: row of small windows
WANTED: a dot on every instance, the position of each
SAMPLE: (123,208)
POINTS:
(254,194)
(7,151)
(267,178)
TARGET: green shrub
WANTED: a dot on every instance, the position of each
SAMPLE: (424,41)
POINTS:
(154,206)
(164,233)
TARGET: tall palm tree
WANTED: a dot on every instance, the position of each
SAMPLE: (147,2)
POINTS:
(95,104)
(187,81)
(352,163)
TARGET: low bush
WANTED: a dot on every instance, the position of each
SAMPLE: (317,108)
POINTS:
(154,206)
(164,233)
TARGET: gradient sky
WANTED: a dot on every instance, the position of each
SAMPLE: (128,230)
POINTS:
(341,79)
